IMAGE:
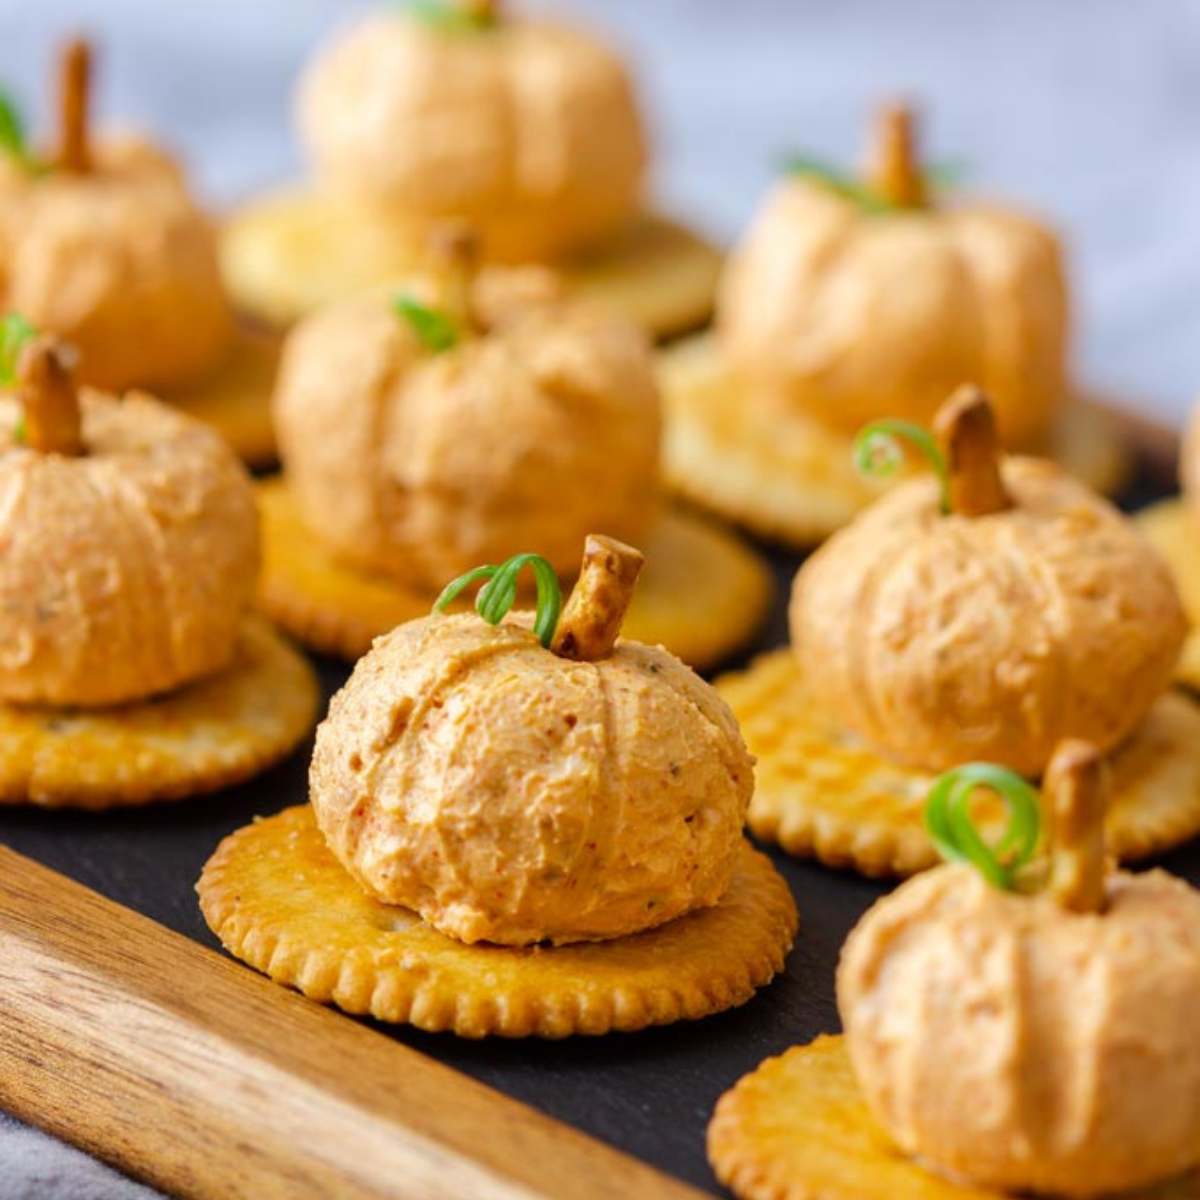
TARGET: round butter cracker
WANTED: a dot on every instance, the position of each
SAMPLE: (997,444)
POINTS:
(791,479)
(1174,531)
(236,399)
(207,735)
(659,274)
(797,1128)
(703,592)
(296,250)
(822,792)
(280,901)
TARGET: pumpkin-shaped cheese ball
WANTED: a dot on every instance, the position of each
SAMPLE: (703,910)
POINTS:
(130,542)
(516,794)
(1018,610)
(1040,1042)
(851,303)
(528,130)
(421,441)
(103,247)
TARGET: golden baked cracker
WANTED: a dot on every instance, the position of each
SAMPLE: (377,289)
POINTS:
(822,792)
(208,735)
(1174,530)
(236,400)
(294,250)
(279,900)
(659,274)
(702,594)
(791,478)
(798,1128)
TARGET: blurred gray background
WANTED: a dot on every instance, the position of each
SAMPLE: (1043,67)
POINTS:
(1087,110)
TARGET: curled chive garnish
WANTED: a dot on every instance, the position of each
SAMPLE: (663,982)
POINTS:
(13,140)
(12,130)
(497,596)
(15,331)
(451,17)
(948,173)
(950,827)
(838,181)
(877,451)
(941,176)
(436,331)
(456,587)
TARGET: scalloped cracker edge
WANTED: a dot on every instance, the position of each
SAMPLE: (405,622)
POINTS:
(205,736)
(279,900)
(798,1128)
(1174,531)
(822,792)
(789,478)
(703,593)
(294,250)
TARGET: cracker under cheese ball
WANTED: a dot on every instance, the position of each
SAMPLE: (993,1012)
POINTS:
(103,246)
(500,415)
(848,311)
(1034,1042)
(1020,610)
(130,542)
(517,789)
(529,130)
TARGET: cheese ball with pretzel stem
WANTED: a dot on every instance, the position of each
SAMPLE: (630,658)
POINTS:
(424,432)
(130,540)
(1029,1028)
(853,301)
(527,129)
(521,785)
(102,246)
(988,618)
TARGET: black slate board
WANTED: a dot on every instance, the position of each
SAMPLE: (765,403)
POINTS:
(649,1093)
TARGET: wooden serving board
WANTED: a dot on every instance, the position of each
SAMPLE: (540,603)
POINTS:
(123,1030)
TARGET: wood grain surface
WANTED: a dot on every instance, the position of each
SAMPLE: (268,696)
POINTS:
(207,1080)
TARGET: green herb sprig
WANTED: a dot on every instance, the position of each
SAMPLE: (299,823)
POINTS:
(435,330)
(13,139)
(15,331)
(839,181)
(942,176)
(950,826)
(497,596)
(947,174)
(877,451)
(449,17)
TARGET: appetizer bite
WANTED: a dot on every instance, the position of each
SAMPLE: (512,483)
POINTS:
(985,611)
(101,244)
(848,300)
(1011,1027)
(462,109)
(131,670)
(1173,526)
(515,828)
(454,420)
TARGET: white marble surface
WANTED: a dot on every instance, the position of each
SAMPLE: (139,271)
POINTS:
(1087,111)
